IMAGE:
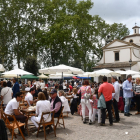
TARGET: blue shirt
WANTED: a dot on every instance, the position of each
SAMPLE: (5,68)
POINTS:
(127,86)
(15,89)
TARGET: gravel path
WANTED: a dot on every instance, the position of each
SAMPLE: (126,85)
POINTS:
(76,130)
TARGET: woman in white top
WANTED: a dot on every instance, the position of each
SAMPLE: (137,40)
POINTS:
(6,94)
(42,105)
(64,101)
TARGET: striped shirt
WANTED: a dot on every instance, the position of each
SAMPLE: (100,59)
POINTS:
(137,88)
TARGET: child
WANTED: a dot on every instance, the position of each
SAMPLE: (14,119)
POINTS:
(74,101)
(64,101)
(95,103)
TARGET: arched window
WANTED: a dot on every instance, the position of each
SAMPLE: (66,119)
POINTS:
(131,41)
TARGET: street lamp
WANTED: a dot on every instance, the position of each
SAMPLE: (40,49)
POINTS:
(130,62)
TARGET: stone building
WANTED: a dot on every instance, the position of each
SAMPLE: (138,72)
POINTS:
(118,54)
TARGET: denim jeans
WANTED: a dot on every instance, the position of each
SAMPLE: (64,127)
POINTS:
(127,105)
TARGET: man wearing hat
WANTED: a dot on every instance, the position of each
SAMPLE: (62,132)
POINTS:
(56,104)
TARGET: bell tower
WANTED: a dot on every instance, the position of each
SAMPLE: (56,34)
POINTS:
(136,29)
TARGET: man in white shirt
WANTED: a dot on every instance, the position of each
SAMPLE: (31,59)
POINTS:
(115,97)
(12,108)
(29,96)
(6,94)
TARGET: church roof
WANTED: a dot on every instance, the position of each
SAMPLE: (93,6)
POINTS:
(130,36)
(135,27)
(127,43)
(115,65)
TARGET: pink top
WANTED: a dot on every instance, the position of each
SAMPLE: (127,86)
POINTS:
(83,90)
(95,102)
(57,106)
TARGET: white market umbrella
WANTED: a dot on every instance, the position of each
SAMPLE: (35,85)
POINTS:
(128,72)
(17,72)
(61,69)
(42,76)
(55,77)
(86,74)
(131,72)
(104,72)
(136,76)
(2,68)
(120,72)
(60,75)
(10,76)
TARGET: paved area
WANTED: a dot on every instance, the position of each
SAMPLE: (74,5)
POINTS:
(127,129)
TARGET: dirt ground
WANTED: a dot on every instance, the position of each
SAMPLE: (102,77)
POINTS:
(127,129)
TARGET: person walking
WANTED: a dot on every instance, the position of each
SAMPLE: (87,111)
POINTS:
(127,94)
(86,89)
(106,89)
(116,97)
(137,95)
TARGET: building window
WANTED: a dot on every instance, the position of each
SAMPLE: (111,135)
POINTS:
(135,30)
(131,41)
(116,56)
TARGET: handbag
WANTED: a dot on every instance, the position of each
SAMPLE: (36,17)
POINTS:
(4,94)
(87,95)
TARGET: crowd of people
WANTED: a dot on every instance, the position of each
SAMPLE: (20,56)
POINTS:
(93,97)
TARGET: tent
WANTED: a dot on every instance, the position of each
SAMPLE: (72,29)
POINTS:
(61,69)
(136,76)
(17,72)
(42,76)
(74,77)
(10,76)
(104,72)
(29,77)
(128,72)
(84,77)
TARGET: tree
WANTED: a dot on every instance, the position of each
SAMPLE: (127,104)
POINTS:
(53,32)
(31,65)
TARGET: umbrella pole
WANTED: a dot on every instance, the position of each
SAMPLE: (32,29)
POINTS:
(62,77)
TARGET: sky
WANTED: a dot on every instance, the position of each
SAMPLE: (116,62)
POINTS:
(118,11)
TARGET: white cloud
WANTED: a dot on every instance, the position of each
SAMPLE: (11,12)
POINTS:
(119,11)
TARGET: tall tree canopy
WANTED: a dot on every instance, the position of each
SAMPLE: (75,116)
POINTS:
(31,65)
(53,32)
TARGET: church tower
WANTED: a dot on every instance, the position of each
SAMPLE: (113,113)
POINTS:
(136,29)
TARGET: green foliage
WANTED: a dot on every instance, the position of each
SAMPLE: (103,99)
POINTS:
(54,32)
(31,65)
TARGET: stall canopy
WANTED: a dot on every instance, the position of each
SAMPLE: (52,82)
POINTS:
(29,77)
(10,76)
(17,72)
(128,72)
(61,69)
(42,76)
(83,77)
(74,77)
(85,74)
(136,76)
(59,76)
(104,72)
